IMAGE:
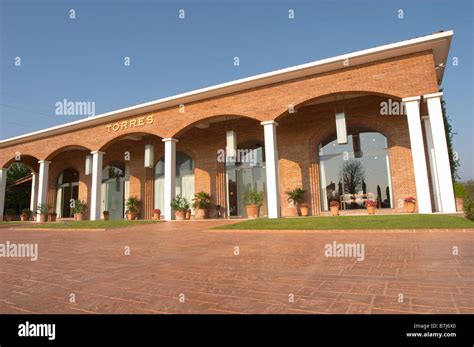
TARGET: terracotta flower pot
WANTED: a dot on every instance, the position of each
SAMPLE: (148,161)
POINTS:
(409,207)
(187,215)
(51,217)
(200,213)
(10,218)
(304,210)
(131,215)
(79,216)
(24,217)
(180,215)
(459,204)
(156,215)
(253,211)
(106,216)
(335,210)
(371,209)
(43,218)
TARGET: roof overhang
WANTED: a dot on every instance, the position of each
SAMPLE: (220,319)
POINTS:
(439,43)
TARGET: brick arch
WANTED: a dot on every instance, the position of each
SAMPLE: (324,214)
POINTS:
(105,144)
(302,101)
(52,154)
(184,127)
(29,160)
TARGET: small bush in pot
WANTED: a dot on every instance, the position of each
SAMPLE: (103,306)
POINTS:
(156,214)
(52,217)
(253,199)
(79,209)
(180,205)
(106,215)
(132,207)
(201,204)
(42,210)
(334,206)
(409,204)
(296,196)
(371,205)
(25,214)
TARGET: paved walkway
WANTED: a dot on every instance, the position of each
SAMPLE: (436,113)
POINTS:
(182,267)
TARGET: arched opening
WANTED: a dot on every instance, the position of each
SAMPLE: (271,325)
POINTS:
(67,190)
(356,171)
(184,179)
(115,189)
(245,172)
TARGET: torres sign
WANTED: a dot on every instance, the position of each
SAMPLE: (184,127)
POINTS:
(130,123)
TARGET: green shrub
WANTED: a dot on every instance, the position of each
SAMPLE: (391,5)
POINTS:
(469,208)
(253,197)
(79,206)
(132,204)
(296,195)
(459,190)
(202,200)
(42,209)
(10,212)
(26,212)
(180,203)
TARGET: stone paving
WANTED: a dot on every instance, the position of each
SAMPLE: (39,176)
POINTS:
(183,267)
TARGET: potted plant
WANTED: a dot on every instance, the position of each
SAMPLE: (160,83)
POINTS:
(253,200)
(409,204)
(296,196)
(106,215)
(79,209)
(460,195)
(132,207)
(370,204)
(43,212)
(180,205)
(52,217)
(201,205)
(187,215)
(334,206)
(156,214)
(25,214)
(304,209)
(10,212)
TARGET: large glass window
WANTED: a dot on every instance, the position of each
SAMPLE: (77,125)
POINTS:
(67,189)
(245,173)
(115,189)
(355,172)
(184,179)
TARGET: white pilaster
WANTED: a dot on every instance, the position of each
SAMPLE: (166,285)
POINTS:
(432,161)
(271,168)
(170,177)
(412,106)
(42,185)
(34,192)
(3,187)
(440,146)
(97,158)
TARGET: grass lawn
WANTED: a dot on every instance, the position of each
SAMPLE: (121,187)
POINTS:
(414,221)
(88,224)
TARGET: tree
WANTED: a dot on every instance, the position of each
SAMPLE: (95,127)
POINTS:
(17,197)
(453,162)
(352,174)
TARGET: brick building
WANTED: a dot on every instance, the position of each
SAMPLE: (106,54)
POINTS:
(365,125)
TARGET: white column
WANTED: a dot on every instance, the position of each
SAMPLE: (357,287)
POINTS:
(3,187)
(271,165)
(42,185)
(97,157)
(34,192)
(412,106)
(440,146)
(170,177)
(432,161)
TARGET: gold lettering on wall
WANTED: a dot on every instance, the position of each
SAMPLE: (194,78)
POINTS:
(130,123)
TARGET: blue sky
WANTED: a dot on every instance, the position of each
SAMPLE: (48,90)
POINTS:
(82,59)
